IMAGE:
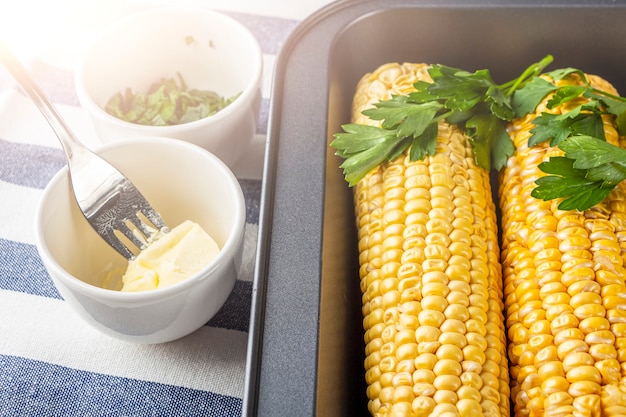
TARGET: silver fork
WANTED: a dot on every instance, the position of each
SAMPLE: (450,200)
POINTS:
(112,205)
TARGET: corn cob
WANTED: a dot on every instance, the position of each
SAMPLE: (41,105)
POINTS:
(564,288)
(430,274)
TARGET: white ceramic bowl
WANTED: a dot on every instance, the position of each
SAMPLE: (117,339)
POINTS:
(182,181)
(145,47)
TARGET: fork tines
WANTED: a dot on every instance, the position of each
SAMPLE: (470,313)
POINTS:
(126,220)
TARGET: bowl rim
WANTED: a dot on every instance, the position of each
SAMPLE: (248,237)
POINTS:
(248,93)
(234,238)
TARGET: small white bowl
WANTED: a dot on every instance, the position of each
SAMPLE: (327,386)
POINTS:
(182,181)
(209,49)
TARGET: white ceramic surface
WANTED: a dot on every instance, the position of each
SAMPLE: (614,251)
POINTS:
(147,46)
(182,181)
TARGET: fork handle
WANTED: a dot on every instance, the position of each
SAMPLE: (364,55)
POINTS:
(69,142)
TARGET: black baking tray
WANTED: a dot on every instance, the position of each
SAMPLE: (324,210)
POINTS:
(305,351)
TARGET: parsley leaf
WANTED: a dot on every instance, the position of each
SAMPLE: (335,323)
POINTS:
(492,144)
(565,94)
(410,119)
(365,147)
(585,119)
(584,176)
(614,105)
(425,144)
(590,152)
(359,138)
(526,99)
(560,73)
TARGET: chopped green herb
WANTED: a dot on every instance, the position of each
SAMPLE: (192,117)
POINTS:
(167,102)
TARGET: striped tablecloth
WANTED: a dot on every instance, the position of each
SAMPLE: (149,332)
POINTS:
(51,363)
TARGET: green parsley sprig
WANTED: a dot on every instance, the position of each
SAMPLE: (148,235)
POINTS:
(471,100)
(583,177)
(591,167)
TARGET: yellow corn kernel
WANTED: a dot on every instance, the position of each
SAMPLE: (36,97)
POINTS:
(613,400)
(424,389)
(559,398)
(469,407)
(423,406)
(610,371)
(447,382)
(549,369)
(450,352)
(602,352)
(443,396)
(564,335)
(554,384)
(468,393)
(584,373)
(562,322)
(577,359)
(431,283)
(425,361)
(593,324)
(540,341)
(445,409)
(600,337)
(447,367)
(579,388)
(424,375)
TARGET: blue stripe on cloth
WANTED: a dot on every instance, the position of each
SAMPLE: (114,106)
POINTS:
(21,270)
(29,165)
(235,313)
(252,194)
(271,32)
(38,389)
(264,111)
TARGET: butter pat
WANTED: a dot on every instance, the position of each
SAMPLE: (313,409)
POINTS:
(174,257)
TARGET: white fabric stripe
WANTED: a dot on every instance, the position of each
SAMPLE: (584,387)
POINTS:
(17,208)
(250,164)
(269,62)
(23,123)
(249,252)
(44,329)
